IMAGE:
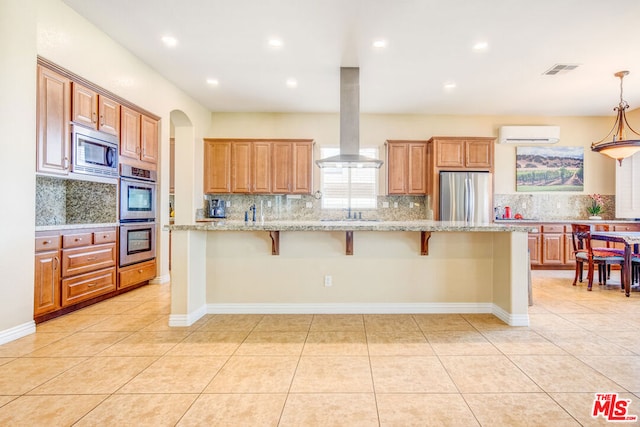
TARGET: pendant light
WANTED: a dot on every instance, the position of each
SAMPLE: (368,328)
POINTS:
(619,147)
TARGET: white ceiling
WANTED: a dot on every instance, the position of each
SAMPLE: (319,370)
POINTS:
(429,43)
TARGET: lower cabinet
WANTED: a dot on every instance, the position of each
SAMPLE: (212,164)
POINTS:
(47,282)
(137,273)
(86,286)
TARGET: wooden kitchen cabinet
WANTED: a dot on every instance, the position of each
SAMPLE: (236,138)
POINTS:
(535,248)
(257,166)
(138,139)
(553,247)
(47,274)
(217,167)
(94,110)
(407,167)
(474,153)
(53,113)
(137,273)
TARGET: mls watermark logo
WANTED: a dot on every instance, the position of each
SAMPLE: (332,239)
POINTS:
(612,408)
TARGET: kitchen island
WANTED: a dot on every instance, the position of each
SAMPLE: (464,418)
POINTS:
(392,267)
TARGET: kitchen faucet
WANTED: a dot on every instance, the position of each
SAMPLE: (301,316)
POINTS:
(252,208)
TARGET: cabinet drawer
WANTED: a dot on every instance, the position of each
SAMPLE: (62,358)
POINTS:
(137,273)
(106,236)
(76,240)
(627,227)
(83,260)
(552,228)
(47,243)
(88,285)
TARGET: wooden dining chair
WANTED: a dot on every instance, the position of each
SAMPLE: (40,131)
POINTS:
(584,253)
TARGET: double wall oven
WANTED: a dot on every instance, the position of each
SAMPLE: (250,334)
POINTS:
(137,215)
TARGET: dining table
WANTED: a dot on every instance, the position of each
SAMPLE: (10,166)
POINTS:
(631,241)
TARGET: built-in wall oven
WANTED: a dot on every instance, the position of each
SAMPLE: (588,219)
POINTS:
(137,215)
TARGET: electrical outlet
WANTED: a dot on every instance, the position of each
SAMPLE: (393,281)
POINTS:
(411,205)
(228,203)
(309,205)
(523,205)
(268,203)
(395,205)
(328,281)
(385,204)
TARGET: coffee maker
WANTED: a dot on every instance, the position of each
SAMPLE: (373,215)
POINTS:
(216,208)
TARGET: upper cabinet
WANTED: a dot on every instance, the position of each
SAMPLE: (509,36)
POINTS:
(463,152)
(94,110)
(407,163)
(138,139)
(53,115)
(257,166)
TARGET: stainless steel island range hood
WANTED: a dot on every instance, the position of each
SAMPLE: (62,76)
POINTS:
(349,156)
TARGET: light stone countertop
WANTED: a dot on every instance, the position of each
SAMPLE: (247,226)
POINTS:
(566,221)
(73,226)
(420,225)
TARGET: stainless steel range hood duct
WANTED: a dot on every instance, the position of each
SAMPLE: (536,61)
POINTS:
(349,156)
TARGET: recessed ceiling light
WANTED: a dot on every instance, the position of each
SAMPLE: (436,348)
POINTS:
(275,42)
(380,43)
(169,41)
(212,82)
(482,45)
(450,85)
(292,83)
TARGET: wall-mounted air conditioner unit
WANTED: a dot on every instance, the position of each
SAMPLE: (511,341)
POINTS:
(529,134)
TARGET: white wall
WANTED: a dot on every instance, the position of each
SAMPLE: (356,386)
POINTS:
(376,128)
(17,163)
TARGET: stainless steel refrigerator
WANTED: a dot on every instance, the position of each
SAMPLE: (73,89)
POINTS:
(466,196)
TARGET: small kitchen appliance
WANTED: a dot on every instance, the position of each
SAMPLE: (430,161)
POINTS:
(216,208)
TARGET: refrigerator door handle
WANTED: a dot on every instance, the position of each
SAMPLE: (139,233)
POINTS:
(471,199)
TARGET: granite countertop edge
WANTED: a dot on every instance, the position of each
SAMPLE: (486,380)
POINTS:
(418,225)
(74,226)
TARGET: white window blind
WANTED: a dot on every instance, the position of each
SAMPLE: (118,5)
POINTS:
(348,187)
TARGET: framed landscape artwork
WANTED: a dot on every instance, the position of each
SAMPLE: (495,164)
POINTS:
(549,169)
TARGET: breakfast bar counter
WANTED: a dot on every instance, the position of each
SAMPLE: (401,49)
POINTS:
(226,267)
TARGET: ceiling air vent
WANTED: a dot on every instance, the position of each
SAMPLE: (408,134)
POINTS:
(560,69)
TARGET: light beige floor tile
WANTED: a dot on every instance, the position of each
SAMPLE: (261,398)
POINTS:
(442,322)
(146,344)
(48,410)
(80,344)
(624,370)
(426,409)
(96,375)
(235,410)
(139,410)
(334,409)
(30,343)
(556,373)
(592,345)
(151,307)
(232,322)
(487,374)
(254,374)
(176,374)
(410,374)
(341,343)
(6,399)
(460,343)
(162,325)
(24,374)
(485,322)
(333,374)
(398,343)
(285,323)
(209,343)
(124,322)
(71,322)
(518,409)
(112,306)
(580,406)
(390,323)
(522,341)
(272,344)
(337,323)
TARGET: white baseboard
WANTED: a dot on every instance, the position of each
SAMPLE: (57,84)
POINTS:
(510,319)
(348,308)
(16,332)
(159,280)
(187,319)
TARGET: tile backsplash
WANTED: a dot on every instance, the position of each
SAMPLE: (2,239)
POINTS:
(552,206)
(66,201)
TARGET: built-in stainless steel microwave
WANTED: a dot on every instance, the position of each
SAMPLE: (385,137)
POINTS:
(93,152)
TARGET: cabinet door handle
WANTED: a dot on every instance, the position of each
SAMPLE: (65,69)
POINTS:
(140,271)
(56,262)
(101,120)
(90,285)
(46,242)
(78,239)
(94,120)
(92,258)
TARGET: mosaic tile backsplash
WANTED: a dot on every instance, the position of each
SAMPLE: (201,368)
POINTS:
(65,201)
(306,207)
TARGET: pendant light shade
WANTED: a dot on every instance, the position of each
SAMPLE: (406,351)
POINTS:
(619,147)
